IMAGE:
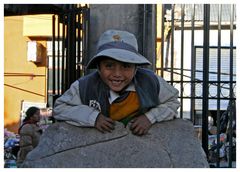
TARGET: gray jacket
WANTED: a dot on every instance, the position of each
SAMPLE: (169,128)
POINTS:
(72,109)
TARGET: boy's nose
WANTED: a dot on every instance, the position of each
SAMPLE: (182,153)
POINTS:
(117,71)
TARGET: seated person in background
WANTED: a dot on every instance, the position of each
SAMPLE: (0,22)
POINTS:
(29,133)
(120,90)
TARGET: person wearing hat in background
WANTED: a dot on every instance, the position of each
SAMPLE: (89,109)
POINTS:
(29,133)
(120,90)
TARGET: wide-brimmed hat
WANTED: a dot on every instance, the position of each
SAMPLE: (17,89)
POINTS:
(118,45)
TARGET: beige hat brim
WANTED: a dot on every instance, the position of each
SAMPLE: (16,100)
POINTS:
(119,55)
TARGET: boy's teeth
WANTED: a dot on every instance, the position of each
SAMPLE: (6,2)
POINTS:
(116,82)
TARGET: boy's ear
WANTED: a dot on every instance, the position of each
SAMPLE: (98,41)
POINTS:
(136,68)
(98,66)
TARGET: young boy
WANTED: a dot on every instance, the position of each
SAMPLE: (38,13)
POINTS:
(119,90)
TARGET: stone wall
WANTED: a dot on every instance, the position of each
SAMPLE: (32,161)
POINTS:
(168,144)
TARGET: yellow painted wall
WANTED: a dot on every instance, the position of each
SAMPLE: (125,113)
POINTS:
(36,25)
(23,80)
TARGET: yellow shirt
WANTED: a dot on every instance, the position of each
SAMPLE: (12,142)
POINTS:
(128,107)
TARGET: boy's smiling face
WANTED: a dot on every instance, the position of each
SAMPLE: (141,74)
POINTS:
(117,75)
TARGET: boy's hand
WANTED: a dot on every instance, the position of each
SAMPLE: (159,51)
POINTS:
(104,123)
(140,125)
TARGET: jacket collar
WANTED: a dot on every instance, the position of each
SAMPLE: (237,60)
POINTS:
(113,95)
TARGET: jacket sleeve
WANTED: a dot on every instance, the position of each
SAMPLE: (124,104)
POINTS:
(167,109)
(69,108)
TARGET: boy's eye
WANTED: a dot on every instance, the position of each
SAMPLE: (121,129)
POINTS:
(108,65)
(127,65)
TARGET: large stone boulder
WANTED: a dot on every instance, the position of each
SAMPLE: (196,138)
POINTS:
(167,144)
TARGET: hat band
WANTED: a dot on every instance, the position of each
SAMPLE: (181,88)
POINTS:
(117,45)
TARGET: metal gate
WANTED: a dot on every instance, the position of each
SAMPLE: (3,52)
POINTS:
(69,49)
(198,56)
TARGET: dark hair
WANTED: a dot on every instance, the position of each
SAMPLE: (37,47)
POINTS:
(30,112)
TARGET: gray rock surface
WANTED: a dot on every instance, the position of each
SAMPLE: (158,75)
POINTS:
(168,144)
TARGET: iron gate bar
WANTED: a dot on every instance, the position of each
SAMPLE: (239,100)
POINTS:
(211,98)
(182,54)
(48,75)
(53,56)
(58,56)
(231,88)
(223,27)
(206,23)
(63,53)
(172,42)
(85,41)
(78,44)
(85,32)
(71,41)
(66,79)
(218,85)
(193,66)
(200,71)
(162,39)
(67,52)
